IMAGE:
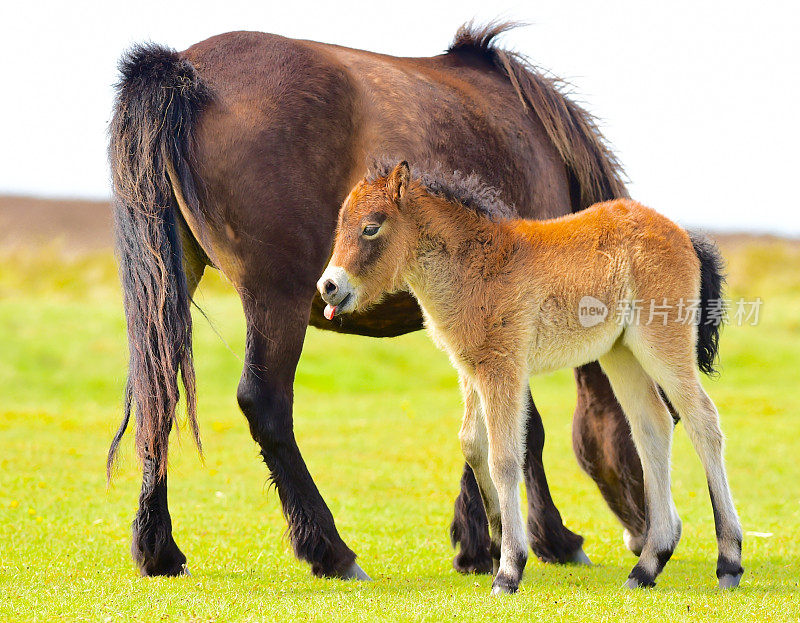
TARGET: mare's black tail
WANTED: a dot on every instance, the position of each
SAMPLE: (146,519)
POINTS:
(159,98)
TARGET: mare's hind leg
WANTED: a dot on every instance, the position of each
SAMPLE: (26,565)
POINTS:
(602,442)
(550,540)
(276,326)
(699,415)
(651,426)
(153,549)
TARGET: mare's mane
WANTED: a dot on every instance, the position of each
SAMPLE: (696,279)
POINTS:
(594,170)
(469,190)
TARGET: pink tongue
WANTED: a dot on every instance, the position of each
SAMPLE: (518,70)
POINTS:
(329,312)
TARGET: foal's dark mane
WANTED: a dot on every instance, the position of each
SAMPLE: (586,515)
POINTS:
(469,190)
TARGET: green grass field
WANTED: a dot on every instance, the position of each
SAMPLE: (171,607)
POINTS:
(377,423)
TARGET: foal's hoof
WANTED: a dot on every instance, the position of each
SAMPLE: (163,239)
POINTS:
(579,557)
(632,583)
(503,585)
(354,572)
(633,543)
(729,581)
(499,590)
(185,571)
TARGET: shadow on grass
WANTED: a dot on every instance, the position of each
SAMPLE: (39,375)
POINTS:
(771,576)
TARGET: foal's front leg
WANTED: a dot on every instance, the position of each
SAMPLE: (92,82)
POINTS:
(475,447)
(502,397)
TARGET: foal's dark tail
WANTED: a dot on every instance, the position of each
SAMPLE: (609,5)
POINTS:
(159,97)
(710,317)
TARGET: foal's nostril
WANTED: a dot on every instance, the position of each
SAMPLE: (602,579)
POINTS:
(330,287)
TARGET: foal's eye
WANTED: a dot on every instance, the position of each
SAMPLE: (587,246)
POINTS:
(370,231)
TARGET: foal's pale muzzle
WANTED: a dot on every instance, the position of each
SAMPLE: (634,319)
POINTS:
(336,290)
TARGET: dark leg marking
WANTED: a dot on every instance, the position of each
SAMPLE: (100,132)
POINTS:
(505,584)
(729,571)
(640,576)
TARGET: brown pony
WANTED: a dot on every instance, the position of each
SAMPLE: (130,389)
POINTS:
(503,298)
(237,154)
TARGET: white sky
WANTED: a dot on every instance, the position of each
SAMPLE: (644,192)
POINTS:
(699,98)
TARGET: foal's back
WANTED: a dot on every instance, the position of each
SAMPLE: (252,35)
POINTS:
(585,272)
(613,241)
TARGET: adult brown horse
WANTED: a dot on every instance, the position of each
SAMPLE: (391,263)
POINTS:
(237,154)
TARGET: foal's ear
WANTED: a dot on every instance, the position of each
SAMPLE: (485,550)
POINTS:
(397,182)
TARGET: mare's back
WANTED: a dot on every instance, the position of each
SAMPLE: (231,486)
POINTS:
(301,103)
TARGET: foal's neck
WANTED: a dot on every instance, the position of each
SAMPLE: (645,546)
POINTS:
(455,248)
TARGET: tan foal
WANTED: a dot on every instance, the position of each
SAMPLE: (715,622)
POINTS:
(507,298)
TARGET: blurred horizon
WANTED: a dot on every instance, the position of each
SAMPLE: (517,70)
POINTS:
(694,98)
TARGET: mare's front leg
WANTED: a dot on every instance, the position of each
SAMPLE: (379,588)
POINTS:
(501,388)
(603,445)
(276,326)
(549,538)
(469,530)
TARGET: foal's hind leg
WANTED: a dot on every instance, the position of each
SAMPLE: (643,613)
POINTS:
(651,426)
(700,417)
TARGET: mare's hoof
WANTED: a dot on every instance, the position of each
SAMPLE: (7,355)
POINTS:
(467,565)
(579,557)
(633,543)
(354,572)
(185,571)
(729,581)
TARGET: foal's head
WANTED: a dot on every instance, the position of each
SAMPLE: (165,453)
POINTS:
(373,240)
